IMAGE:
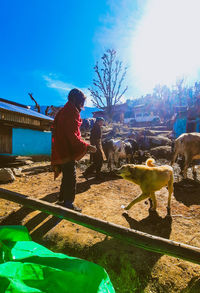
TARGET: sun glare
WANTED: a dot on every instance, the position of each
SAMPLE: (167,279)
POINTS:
(166,43)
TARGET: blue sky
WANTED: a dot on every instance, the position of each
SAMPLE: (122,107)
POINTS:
(45,40)
(48,47)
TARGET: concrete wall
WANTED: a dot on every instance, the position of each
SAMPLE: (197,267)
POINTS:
(28,142)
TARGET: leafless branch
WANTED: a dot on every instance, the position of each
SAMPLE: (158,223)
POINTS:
(36,104)
(107,86)
(47,110)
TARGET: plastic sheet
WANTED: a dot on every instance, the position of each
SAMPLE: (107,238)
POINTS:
(26,266)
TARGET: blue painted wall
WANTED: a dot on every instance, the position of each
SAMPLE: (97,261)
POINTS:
(179,127)
(198,124)
(28,142)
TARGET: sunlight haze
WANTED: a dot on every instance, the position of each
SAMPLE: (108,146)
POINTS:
(166,45)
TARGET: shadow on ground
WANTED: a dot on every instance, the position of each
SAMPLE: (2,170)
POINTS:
(187,191)
(153,224)
(41,223)
(17,217)
(105,176)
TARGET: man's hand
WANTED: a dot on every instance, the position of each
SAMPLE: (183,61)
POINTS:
(91,149)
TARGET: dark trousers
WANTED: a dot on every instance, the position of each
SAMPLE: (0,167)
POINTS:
(68,184)
(97,162)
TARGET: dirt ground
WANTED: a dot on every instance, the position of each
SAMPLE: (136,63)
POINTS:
(130,269)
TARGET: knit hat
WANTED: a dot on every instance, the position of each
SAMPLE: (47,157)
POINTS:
(100,119)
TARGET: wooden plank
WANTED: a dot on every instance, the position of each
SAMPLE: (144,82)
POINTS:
(5,140)
(130,236)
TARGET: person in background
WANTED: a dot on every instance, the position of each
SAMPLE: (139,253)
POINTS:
(98,157)
(68,146)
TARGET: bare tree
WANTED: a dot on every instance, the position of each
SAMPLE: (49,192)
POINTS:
(52,111)
(180,90)
(36,104)
(106,90)
(47,110)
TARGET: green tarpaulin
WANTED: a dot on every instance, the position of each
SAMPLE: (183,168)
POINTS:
(26,266)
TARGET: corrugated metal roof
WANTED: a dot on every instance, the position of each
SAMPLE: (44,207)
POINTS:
(21,110)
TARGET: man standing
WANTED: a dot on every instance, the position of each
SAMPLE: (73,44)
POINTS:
(98,157)
(68,146)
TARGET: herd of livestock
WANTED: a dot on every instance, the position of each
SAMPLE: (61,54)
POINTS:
(130,145)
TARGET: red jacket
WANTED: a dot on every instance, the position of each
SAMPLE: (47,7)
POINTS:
(67,144)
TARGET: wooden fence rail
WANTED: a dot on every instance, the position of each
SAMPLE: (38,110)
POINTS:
(133,237)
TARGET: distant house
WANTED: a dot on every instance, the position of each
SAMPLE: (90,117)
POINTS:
(23,132)
(99,114)
(118,112)
(138,109)
(145,109)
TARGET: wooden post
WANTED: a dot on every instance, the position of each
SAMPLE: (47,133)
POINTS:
(133,237)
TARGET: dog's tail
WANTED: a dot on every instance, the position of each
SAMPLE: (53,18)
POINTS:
(150,162)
